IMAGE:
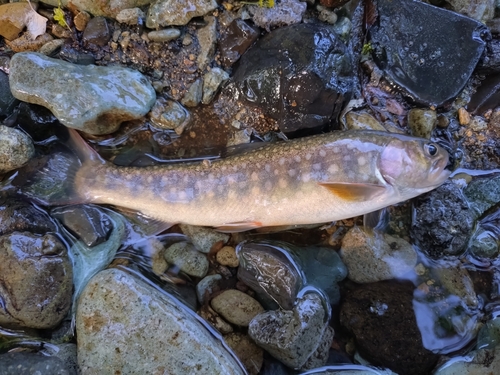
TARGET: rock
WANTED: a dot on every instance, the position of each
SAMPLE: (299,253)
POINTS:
(27,260)
(480,10)
(284,13)
(165,35)
(120,319)
(385,310)
(422,122)
(489,335)
(456,281)
(169,114)
(7,101)
(26,43)
(16,148)
(67,354)
(236,307)
(227,257)
(362,121)
(371,257)
(21,363)
(81,20)
(442,221)
(211,83)
(93,99)
(483,193)
(477,362)
(19,216)
(207,286)
(207,38)
(207,313)
(193,96)
(291,335)
(51,46)
(177,12)
(104,8)
(320,356)
(189,260)
(249,354)
(132,16)
(326,15)
(74,56)
(15,17)
(235,41)
(97,32)
(423,63)
(203,238)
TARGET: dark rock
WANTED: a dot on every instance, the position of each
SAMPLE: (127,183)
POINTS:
(74,56)
(232,44)
(442,221)
(299,75)
(32,363)
(97,32)
(7,100)
(424,61)
(490,63)
(484,193)
(88,223)
(37,121)
(20,216)
(381,317)
(487,95)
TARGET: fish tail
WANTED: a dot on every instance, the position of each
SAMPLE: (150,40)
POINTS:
(52,181)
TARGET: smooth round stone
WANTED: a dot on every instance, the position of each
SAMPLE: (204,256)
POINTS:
(16,148)
(247,351)
(169,114)
(236,307)
(422,122)
(207,286)
(164,35)
(19,363)
(187,258)
(227,257)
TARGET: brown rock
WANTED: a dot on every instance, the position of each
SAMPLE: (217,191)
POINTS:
(247,351)
(236,307)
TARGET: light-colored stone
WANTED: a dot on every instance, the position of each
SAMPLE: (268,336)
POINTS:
(165,35)
(477,362)
(227,257)
(207,313)
(169,114)
(16,148)
(132,16)
(247,351)
(211,83)
(236,307)
(94,99)
(207,286)
(49,47)
(193,96)
(457,281)
(125,325)
(422,122)
(371,257)
(207,38)
(105,8)
(187,258)
(177,12)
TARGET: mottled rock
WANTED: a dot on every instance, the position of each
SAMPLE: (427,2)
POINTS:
(227,257)
(81,20)
(211,83)
(320,356)
(16,148)
(177,12)
(236,307)
(169,114)
(207,286)
(362,121)
(284,13)
(194,94)
(203,238)
(483,193)
(207,38)
(249,354)
(422,122)
(235,41)
(51,46)
(477,362)
(381,317)
(91,98)
(28,260)
(189,260)
(21,363)
(488,336)
(97,32)
(125,325)
(165,35)
(19,216)
(132,16)
(371,257)
(207,313)
(105,8)
(481,10)
(26,43)
(456,281)
(7,101)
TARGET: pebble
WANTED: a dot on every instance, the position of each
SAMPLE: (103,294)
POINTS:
(16,148)
(422,122)
(326,15)
(236,307)
(125,325)
(207,286)
(456,281)
(7,100)
(370,258)
(207,38)
(286,12)
(203,238)
(131,16)
(97,32)
(320,356)
(362,121)
(28,260)
(94,99)
(227,257)
(50,47)
(25,43)
(463,116)
(177,12)
(247,351)
(488,336)
(211,83)
(291,336)
(477,362)
(194,94)
(207,313)
(169,114)
(165,35)
(189,260)
(109,9)
(19,215)
(81,20)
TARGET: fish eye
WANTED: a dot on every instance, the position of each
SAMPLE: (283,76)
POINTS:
(431,149)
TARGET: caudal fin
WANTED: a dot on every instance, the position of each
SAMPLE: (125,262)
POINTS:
(52,182)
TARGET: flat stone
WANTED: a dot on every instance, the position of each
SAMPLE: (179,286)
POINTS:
(249,354)
(211,83)
(133,16)
(125,325)
(207,286)
(207,38)
(97,32)
(194,94)
(16,148)
(91,98)
(177,12)
(189,260)
(165,35)
(105,8)
(286,12)
(236,307)
(203,238)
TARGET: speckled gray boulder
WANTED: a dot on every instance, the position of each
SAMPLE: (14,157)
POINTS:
(16,148)
(177,12)
(90,98)
(125,325)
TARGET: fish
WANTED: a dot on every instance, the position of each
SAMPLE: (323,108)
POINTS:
(316,179)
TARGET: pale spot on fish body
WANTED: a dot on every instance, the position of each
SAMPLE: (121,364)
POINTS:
(292,172)
(268,185)
(308,156)
(361,160)
(317,166)
(333,168)
(268,168)
(282,183)
(281,161)
(297,158)
(254,176)
(306,177)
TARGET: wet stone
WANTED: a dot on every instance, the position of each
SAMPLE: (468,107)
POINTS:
(203,238)
(187,258)
(208,285)
(50,47)
(249,354)
(81,20)
(485,243)
(96,99)
(120,318)
(236,307)
(207,313)
(7,101)
(483,193)
(19,216)
(488,336)
(443,221)
(193,96)
(227,257)
(207,38)
(16,148)
(235,41)
(456,281)
(477,362)
(211,83)
(362,121)
(177,12)
(21,363)
(169,114)
(97,32)
(284,13)
(422,122)
(164,35)
(422,61)
(132,16)
(320,355)
(481,10)
(26,260)
(381,318)
(74,56)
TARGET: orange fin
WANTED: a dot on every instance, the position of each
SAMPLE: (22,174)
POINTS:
(239,226)
(354,192)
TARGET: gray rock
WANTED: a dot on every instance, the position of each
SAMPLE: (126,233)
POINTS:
(189,260)
(483,193)
(236,307)
(7,100)
(211,83)
(177,12)
(18,215)
(249,354)
(105,8)
(207,38)
(169,114)
(50,47)
(28,260)
(320,355)
(91,98)
(203,238)
(207,286)
(132,16)
(165,35)
(362,121)
(488,336)
(286,12)
(32,363)
(291,336)
(422,122)
(16,148)
(371,257)
(193,96)
(126,325)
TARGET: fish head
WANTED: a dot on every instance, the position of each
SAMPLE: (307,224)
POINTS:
(414,165)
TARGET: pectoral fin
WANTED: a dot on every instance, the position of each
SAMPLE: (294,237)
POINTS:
(240,226)
(354,192)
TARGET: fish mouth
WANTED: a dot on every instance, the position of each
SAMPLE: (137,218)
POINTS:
(441,169)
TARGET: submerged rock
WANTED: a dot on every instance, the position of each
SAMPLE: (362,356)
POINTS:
(32,363)
(189,260)
(16,148)
(19,216)
(91,98)
(477,362)
(235,41)
(236,307)
(124,324)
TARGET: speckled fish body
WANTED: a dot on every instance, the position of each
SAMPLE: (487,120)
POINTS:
(309,180)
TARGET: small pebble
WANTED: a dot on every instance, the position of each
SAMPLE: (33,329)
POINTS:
(247,351)
(463,116)
(81,20)
(211,83)
(193,96)
(164,35)
(227,257)
(187,258)
(49,47)
(236,307)
(132,16)
(207,286)
(203,238)
(16,148)
(422,122)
